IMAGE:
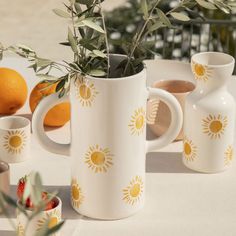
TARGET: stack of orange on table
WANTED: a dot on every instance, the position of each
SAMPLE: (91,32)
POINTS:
(13,95)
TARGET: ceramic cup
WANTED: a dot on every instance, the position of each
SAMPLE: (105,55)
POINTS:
(14,139)
(53,216)
(158,113)
(4,178)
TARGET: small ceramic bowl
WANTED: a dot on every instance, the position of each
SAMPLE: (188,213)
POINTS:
(53,215)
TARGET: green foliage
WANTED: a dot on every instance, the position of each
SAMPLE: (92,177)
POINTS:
(88,38)
(33,189)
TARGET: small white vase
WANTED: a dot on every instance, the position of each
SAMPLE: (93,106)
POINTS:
(210,115)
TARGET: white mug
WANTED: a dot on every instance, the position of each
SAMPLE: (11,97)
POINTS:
(14,139)
(108,141)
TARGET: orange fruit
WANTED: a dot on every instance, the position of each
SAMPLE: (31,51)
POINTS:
(13,91)
(59,114)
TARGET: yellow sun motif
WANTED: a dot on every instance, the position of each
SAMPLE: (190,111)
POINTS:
(86,92)
(76,194)
(214,126)
(189,150)
(20,231)
(229,155)
(201,72)
(152,111)
(53,218)
(133,192)
(98,159)
(14,141)
(137,122)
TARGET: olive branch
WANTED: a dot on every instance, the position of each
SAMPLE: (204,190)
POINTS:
(88,40)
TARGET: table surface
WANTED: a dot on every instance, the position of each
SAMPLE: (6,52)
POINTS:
(179,201)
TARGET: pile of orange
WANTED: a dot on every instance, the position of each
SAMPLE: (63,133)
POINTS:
(13,95)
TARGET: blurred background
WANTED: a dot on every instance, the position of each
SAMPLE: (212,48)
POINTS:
(32,22)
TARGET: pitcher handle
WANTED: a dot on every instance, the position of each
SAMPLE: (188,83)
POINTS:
(38,128)
(176,119)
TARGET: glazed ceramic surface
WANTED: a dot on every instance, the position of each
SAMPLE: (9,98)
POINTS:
(53,217)
(108,142)
(14,139)
(210,115)
(159,113)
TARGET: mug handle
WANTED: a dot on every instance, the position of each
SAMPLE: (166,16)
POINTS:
(38,128)
(176,119)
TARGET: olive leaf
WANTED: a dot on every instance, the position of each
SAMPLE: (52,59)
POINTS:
(99,53)
(36,188)
(42,62)
(85,2)
(8,199)
(93,25)
(206,4)
(97,73)
(155,26)
(144,8)
(163,18)
(61,13)
(226,9)
(60,85)
(72,41)
(26,48)
(180,16)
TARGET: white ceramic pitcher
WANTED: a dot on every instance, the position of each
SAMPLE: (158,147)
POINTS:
(108,141)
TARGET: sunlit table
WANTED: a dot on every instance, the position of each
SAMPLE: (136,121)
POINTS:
(178,201)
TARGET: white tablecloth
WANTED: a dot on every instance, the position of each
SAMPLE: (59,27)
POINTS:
(179,202)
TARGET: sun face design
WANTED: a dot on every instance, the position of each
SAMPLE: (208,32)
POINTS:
(189,150)
(229,155)
(137,122)
(86,92)
(133,192)
(14,141)
(214,126)
(98,159)
(201,72)
(51,219)
(20,231)
(152,111)
(76,194)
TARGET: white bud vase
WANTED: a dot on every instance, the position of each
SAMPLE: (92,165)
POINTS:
(210,115)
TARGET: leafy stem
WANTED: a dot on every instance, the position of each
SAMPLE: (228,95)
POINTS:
(106,39)
(138,37)
(74,29)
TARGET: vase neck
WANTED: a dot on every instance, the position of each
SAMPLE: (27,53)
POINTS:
(212,84)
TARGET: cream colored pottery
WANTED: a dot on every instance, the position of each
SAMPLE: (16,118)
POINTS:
(108,141)
(14,139)
(4,178)
(53,217)
(210,115)
(160,120)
